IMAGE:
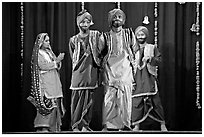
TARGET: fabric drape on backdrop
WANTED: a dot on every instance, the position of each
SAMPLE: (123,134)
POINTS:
(176,43)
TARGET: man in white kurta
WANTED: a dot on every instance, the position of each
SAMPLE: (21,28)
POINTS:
(117,45)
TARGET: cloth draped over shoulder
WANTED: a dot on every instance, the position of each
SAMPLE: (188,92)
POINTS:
(43,71)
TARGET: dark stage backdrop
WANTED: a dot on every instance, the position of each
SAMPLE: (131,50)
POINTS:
(177,73)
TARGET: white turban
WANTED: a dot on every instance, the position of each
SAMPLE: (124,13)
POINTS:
(82,15)
(143,29)
(114,12)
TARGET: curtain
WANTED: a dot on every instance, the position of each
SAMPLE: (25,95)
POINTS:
(177,73)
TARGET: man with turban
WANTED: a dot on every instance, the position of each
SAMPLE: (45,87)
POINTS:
(145,97)
(85,64)
(117,52)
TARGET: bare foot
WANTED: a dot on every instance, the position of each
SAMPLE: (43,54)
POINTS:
(86,129)
(44,130)
(104,130)
(163,127)
(136,128)
(76,130)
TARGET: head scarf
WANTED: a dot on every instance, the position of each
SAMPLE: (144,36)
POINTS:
(37,97)
(143,29)
(112,13)
(82,15)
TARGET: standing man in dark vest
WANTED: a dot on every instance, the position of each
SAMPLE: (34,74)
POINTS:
(145,98)
(85,64)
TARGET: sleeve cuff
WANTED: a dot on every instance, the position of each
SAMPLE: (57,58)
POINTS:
(55,64)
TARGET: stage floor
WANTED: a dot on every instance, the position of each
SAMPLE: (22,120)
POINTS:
(111,132)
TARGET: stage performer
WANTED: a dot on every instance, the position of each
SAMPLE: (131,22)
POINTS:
(145,98)
(46,92)
(116,48)
(83,49)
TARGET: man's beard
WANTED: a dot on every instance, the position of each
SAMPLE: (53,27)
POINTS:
(117,23)
(141,40)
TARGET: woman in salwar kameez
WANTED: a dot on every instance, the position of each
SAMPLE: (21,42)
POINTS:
(46,92)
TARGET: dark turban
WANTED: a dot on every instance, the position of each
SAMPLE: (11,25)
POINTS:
(112,13)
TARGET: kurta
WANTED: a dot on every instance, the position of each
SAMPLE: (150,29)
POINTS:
(145,98)
(118,79)
(83,51)
(52,89)
(49,77)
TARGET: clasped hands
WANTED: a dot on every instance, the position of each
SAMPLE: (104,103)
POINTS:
(60,57)
(145,59)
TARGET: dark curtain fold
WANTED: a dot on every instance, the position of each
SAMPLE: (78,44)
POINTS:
(11,71)
(177,74)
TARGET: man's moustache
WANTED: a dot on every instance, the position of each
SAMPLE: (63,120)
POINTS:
(84,26)
(118,20)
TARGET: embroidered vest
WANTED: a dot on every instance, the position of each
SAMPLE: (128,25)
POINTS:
(93,43)
(128,41)
(148,51)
